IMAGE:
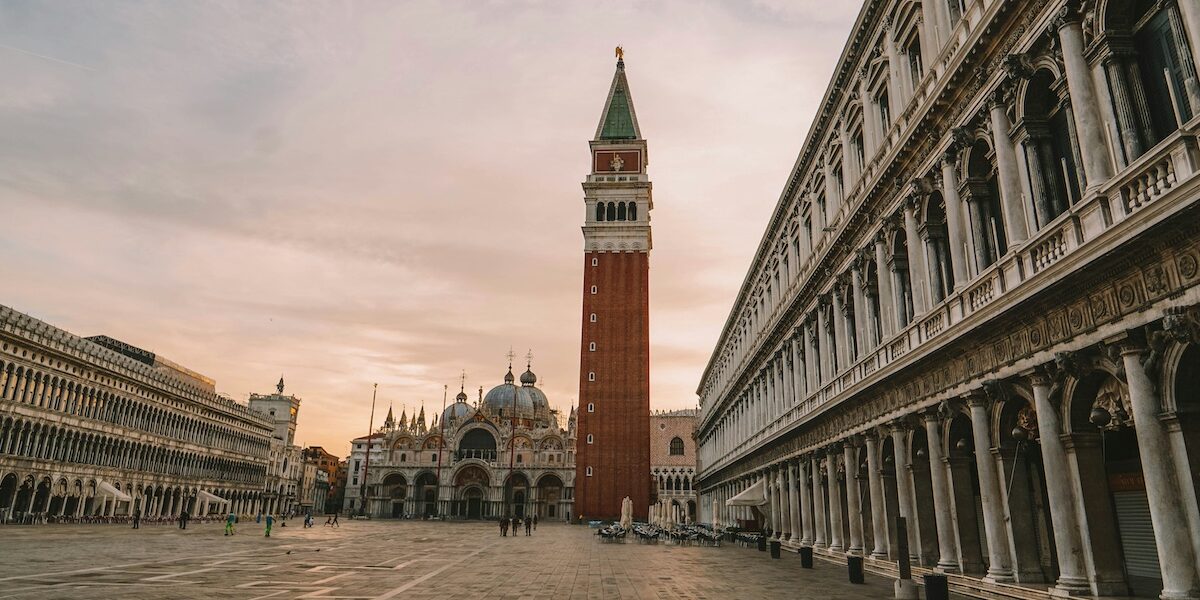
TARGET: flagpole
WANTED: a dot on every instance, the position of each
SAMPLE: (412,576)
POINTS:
(441,447)
(367,463)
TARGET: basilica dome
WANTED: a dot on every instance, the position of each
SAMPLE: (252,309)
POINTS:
(524,402)
(459,410)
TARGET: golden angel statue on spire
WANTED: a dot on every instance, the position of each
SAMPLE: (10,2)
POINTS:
(620,53)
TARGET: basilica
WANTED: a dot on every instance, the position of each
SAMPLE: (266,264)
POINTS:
(507,454)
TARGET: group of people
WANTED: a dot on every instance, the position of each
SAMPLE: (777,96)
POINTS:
(515,522)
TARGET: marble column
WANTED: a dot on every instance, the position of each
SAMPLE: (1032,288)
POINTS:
(819,538)
(887,311)
(1072,577)
(807,527)
(843,359)
(875,486)
(826,357)
(836,543)
(863,328)
(947,540)
(1085,106)
(1016,227)
(917,270)
(904,486)
(798,359)
(1175,554)
(776,505)
(853,507)
(785,502)
(795,533)
(999,557)
(954,212)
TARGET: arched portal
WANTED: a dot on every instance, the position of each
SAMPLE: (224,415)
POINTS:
(477,443)
(516,495)
(427,492)
(472,481)
(395,487)
(549,495)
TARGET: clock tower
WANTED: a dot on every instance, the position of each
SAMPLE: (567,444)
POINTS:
(613,447)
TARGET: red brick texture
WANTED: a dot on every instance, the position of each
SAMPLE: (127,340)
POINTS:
(619,454)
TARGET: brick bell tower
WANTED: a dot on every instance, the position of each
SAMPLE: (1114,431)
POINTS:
(613,447)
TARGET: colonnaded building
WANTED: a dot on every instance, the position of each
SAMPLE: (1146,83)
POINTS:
(975,305)
(96,427)
(506,455)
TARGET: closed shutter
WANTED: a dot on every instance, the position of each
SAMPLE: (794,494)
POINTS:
(1137,534)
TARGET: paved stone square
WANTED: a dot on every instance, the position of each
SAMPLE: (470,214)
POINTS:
(393,559)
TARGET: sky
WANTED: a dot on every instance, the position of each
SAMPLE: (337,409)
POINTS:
(351,193)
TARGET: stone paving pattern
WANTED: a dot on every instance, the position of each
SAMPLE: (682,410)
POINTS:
(390,559)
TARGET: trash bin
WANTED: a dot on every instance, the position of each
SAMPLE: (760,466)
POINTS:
(775,549)
(762,543)
(806,557)
(936,587)
(854,569)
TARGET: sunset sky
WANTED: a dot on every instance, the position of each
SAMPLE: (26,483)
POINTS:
(347,193)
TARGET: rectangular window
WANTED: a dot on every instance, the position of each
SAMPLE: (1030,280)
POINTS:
(885,109)
(914,61)
(356,464)
(355,482)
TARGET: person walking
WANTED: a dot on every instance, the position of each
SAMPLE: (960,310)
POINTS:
(229,521)
(270,523)
(137,519)
(516,522)
(335,521)
(528,525)
(183,519)
(504,527)
(535,522)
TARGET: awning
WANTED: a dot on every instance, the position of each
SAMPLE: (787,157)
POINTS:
(207,497)
(108,490)
(755,495)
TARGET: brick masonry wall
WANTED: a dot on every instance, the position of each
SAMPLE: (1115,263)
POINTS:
(620,426)
(665,428)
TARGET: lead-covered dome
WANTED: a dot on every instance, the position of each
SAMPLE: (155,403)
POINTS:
(525,402)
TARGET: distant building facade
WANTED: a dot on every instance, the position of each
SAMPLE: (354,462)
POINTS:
(328,464)
(97,427)
(506,455)
(673,461)
(282,491)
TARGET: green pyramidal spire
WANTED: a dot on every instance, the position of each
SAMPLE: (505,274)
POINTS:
(618,122)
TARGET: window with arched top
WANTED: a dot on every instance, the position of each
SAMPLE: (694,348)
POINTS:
(676,446)
(611,212)
(599,211)
(633,211)
(621,211)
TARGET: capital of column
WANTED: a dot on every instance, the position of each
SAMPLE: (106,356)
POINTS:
(900,425)
(1070,13)
(977,398)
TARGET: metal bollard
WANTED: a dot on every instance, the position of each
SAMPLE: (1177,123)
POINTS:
(854,568)
(775,549)
(937,587)
(806,557)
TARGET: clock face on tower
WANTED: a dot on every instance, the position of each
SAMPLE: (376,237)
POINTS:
(618,161)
